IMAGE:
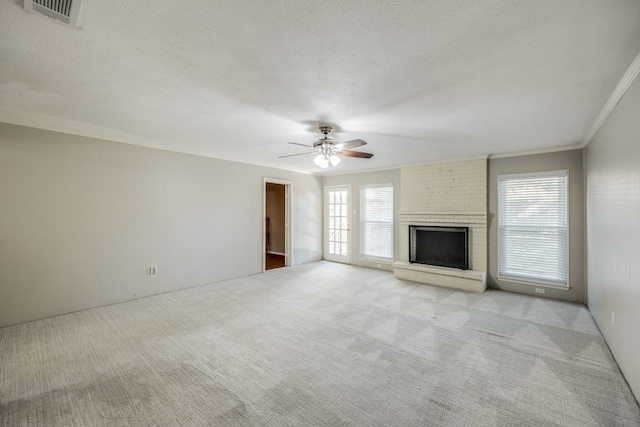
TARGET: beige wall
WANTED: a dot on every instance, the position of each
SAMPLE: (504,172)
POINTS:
(571,160)
(612,170)
(82,220)
(391,176)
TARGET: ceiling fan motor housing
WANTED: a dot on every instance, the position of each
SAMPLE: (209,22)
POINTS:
(324,143)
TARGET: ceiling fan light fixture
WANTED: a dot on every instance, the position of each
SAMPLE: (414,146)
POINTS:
(328,151)
(321,161)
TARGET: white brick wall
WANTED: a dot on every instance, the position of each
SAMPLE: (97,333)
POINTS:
(446,194)
(450,187)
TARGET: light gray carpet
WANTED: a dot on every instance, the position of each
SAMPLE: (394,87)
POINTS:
(319,344)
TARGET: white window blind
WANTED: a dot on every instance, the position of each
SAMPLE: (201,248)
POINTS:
(533,233)
(376,222)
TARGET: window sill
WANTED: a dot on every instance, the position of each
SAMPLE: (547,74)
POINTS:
(534,283)
(374,259)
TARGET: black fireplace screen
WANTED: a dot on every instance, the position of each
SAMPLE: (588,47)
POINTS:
(441,246)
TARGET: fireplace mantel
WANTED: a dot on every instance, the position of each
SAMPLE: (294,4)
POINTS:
(449,217)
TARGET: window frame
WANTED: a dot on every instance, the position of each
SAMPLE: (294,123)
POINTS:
(526,279)
(367,257)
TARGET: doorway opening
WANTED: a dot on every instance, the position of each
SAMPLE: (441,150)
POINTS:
(276,224)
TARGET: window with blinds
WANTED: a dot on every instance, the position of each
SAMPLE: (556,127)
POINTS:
(532,227)
(376,222)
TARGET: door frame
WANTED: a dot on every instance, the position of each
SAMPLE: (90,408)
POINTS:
(325,221)
(288,190)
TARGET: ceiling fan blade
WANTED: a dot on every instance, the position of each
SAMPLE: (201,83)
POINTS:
(350,144)
(299,154)
(297,143)
(349,153)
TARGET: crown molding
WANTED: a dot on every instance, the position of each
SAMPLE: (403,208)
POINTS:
(627,79)
(540,151)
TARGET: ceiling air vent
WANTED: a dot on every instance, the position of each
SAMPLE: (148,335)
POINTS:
(62,10)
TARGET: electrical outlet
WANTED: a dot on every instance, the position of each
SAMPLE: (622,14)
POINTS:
(539,291)
(153,271)
(613,319)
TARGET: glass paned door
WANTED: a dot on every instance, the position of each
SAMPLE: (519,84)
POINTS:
(336,225)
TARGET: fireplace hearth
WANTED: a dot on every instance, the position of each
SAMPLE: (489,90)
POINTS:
(439,246)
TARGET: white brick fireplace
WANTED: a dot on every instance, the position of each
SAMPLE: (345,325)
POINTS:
(451,194)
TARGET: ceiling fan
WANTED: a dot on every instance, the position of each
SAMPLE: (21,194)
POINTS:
(328,149)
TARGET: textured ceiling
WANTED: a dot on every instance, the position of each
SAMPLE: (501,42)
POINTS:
(420,81)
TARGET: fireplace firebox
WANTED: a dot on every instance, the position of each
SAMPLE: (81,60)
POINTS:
(439,246)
